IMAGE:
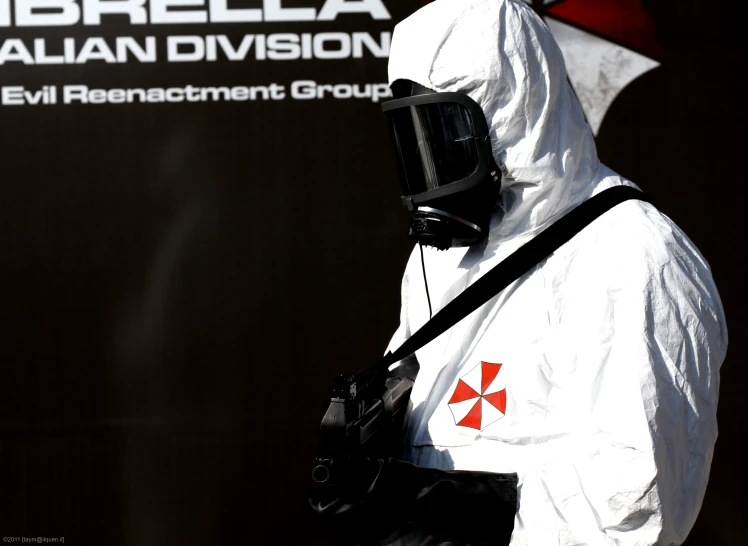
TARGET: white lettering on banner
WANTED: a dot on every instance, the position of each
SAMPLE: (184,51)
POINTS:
(94,9)
(40,54)
(17,96)
(12,96)
(381,51)
(161,14)
(197,53)
(260,49)
(220,13)
(95,49)
(332,8)
(127,43)
(309,90)
(4,13)
(83,95)
(68,12)
(194,48)
(15,50)
(274,12)
(306,46)
(69,49)
(210,48)
(342,52)
(174,95)
(283,47)
(116,96)
(239,53)
(92,49)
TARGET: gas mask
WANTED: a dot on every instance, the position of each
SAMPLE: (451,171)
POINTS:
(450,180)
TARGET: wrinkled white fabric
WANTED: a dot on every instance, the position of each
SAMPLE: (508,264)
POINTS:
(610,349)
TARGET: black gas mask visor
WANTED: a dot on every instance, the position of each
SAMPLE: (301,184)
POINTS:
(443,143)
(449,177)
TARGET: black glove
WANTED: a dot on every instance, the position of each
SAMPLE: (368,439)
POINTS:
(373,501)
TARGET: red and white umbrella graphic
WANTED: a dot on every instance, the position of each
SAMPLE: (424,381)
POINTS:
(479,398)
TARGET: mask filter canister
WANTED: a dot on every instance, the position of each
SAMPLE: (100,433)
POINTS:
(437,228)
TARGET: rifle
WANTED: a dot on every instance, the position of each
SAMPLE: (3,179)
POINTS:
(364,416)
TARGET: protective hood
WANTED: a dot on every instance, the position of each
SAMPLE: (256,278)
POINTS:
(502,55)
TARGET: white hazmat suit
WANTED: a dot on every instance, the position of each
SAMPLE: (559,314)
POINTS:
(595,376)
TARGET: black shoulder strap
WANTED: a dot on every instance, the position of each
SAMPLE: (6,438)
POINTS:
(513,267)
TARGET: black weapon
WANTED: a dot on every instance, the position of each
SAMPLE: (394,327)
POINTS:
(364,416)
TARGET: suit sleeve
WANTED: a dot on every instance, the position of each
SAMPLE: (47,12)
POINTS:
(636,372)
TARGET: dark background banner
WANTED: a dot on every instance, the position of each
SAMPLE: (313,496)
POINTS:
(182,274)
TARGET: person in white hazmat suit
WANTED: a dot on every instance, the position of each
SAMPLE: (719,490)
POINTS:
(594,377)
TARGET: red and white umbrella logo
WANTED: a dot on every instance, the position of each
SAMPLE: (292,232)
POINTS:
(480,397)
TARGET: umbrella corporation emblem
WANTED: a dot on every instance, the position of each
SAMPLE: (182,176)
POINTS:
(479,398)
